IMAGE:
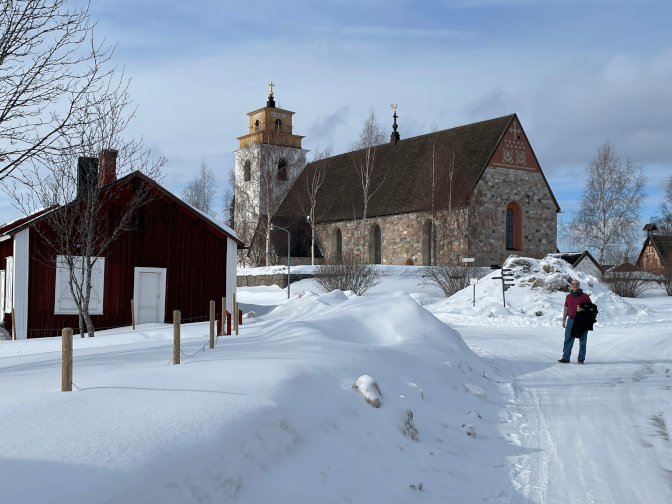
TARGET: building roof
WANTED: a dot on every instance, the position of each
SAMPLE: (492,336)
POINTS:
(574,258)
(159,190)
(398,174)
(650,227)
(624,268)
(663,247)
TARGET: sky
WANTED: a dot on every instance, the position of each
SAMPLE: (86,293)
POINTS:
(577,73)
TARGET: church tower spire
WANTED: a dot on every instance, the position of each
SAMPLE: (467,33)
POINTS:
(394,137)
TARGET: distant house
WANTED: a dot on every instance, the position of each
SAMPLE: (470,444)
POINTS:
(656,254)
(583,262)
(175,258)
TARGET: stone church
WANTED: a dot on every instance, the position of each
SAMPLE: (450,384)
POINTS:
(476,190)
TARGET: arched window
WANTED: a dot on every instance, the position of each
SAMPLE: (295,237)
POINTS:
(337,244)
(514,226)
(246,171)
(278,125)
(375,245)
(256,125)
(282,170)
(427,243)
(409,262)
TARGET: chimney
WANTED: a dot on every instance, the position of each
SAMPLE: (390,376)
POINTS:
(626,259)
(87,174)
(108,166)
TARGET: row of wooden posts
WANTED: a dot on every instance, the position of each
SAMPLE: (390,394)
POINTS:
(66,360)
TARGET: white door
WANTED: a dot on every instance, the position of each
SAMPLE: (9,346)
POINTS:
(149,297)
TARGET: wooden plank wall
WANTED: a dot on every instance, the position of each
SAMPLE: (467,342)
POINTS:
(164,237)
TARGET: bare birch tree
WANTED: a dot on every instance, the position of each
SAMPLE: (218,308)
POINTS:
(51,68)
(201,190)
(611,203)
(227,198)
(81,226)
(663,219)
(313,184)
(364,159)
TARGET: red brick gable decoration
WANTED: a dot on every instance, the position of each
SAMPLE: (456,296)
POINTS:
(514,151)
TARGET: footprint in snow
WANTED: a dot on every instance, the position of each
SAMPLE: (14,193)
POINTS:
(643,373)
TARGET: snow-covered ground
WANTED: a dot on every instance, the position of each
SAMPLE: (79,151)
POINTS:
(472,403)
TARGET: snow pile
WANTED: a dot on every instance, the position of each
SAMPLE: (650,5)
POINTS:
(266,416)
(537,296)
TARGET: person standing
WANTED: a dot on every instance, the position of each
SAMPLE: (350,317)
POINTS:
(575,298)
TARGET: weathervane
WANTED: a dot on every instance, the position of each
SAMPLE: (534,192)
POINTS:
(395,135)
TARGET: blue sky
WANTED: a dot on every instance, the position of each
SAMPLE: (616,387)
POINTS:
(578,73)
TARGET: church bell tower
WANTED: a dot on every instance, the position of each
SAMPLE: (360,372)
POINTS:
(267,164)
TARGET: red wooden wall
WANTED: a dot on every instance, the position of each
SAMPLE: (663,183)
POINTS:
(164,237)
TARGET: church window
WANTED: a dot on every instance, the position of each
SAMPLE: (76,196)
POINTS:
(246,171)
(256,125)
(278,125)
(409,262)
(375,245)
(282,170)
(337,244)
(514,226)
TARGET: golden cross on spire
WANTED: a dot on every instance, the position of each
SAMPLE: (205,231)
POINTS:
(270,85)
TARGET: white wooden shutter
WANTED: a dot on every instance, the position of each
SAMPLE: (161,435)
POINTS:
(9,285)
(65,303)
(2,291)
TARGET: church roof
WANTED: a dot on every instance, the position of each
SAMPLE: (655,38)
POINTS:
(663,246)
(401,174)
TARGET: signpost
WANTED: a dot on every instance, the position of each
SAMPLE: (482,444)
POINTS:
(474,282)
(506,278)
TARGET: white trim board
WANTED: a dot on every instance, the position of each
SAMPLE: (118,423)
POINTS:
(21,271)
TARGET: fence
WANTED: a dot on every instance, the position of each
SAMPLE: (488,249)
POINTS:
(217,329)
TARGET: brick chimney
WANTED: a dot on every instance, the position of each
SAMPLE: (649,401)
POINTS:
(626,260)
(107,171)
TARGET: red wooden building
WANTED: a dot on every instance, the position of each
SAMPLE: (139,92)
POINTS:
(175,258)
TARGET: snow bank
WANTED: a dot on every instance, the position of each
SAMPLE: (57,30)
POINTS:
(537,296)
(266,416)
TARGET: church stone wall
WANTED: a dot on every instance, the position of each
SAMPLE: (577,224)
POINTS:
(495,190)
(402,238)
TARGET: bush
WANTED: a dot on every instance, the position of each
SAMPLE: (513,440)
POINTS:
(451,279)
(628,283)
(666,280)
(347,274)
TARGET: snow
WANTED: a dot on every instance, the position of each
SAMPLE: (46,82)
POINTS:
(473,406)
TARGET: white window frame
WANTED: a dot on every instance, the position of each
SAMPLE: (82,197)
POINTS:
(2,291)
(9,285)
(62,267)
(162,290)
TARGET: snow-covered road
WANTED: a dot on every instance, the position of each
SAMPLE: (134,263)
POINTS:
(598,433)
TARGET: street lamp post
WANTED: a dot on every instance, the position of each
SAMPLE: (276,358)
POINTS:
(273,228)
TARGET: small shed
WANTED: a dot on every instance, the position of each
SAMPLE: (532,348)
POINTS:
(174,258)
(583,262)
(656,254)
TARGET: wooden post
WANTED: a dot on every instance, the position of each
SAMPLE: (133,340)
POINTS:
(237,312)
(212,324)
(66,360)
(133,313)
(176,336)
(223,316)
(13,326)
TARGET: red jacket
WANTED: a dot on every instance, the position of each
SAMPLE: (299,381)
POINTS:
(572,303)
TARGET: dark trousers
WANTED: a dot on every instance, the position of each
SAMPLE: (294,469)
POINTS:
(569,342)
